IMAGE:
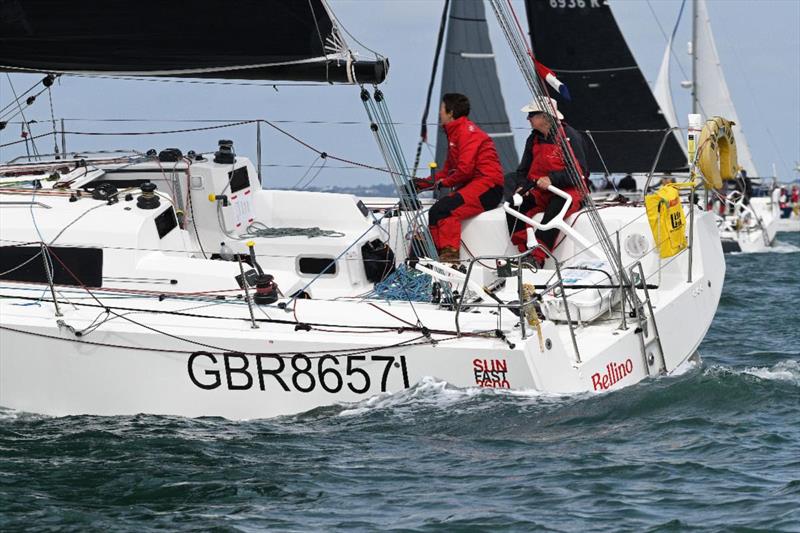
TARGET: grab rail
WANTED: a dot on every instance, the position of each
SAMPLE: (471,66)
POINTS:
(557,222)
(739,208)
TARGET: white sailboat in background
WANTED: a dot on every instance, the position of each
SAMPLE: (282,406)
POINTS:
(746,224)
(789,203)
(710,93)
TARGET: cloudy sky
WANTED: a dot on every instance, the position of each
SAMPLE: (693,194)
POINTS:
(758,42)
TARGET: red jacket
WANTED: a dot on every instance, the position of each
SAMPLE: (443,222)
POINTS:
(470,155)
(543,157)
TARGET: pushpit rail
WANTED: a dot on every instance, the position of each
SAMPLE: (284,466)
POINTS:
(522,304)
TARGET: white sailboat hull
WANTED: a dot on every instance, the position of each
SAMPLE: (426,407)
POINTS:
(217,364)
(754,234)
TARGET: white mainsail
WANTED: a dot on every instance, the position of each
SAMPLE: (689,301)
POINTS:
(713,96)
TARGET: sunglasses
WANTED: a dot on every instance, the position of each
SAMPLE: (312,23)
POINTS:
(534,113)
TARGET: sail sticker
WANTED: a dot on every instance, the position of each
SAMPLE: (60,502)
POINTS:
(300,373)
(491,373)
(573,4)
(614,372)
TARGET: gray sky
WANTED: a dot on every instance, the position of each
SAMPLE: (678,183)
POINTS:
(758,42)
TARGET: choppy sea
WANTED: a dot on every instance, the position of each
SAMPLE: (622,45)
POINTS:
(716,448)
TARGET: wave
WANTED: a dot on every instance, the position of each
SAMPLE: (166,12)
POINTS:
(690,382)
(783,247)
(439,394)
(8,414)
(689,365)
(789,353)
(788,370)
(778,247)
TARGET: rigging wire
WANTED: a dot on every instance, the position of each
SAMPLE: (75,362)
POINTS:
(47,81)
(156,330)
(391,150)
(319,35)
(312,166)
(757,106)
(24,133)
(137,133)
(53,120)
(509,23)
(423,132)
(206,128)
(303,177)
(11,113)
(673,34)
(338,24)
(314,354)
(16,100)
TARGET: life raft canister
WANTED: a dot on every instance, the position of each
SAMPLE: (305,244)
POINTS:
(667,221)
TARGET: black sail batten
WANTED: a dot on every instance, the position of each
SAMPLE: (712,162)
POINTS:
(242,39)
(583,45)
(469,68)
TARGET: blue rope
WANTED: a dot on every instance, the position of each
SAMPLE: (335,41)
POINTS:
(405,284)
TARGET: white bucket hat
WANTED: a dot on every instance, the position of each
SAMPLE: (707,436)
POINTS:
(536,105)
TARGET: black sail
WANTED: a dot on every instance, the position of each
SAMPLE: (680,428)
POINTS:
(581,42)
(241,39)
(469,68)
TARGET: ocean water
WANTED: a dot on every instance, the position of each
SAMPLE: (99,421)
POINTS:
(716,448)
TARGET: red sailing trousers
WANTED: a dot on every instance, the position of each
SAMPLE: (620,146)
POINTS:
(446,215)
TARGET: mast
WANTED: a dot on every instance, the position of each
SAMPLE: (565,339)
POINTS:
(694,56)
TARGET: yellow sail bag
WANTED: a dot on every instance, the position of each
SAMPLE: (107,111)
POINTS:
(667,222)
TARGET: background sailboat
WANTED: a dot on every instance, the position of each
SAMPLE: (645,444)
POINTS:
(710,93)
(709,89)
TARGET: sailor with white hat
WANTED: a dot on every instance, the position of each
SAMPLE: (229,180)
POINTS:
(544,164)
(550,105)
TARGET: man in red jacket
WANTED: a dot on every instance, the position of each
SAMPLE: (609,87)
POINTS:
(543,164)
(472,169)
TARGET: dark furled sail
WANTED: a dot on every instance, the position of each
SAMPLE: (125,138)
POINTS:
(581,42)
(469,68)
(241,39)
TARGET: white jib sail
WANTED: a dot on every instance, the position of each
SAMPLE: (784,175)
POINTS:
(663,94)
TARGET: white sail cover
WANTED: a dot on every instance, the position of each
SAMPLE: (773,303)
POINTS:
(713,96)
(663,93)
